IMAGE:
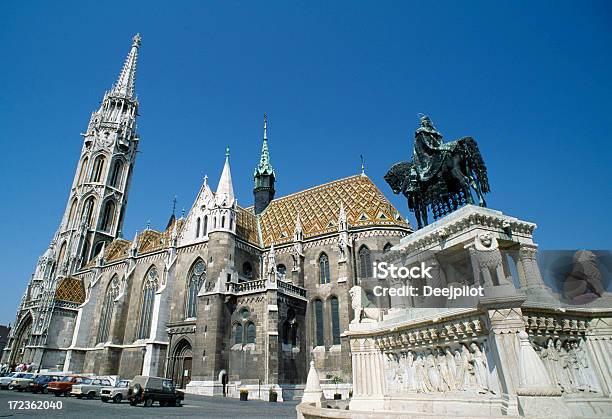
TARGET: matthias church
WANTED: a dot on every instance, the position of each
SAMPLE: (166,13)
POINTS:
(224,297)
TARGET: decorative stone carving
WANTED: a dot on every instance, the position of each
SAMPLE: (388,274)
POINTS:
(453,368)
(361,307)
(568,366)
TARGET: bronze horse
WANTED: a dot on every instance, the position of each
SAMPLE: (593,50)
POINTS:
(460,169)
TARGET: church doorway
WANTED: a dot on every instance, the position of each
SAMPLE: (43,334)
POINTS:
(182,364)
(22,338)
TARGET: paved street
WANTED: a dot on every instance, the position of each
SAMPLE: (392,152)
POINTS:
(193,406)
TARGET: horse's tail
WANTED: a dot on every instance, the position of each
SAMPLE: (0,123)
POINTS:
(475,162)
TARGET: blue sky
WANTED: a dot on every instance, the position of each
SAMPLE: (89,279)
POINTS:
(529,80)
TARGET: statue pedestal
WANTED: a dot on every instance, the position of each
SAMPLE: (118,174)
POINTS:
(472,359)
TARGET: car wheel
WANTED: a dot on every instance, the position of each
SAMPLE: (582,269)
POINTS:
(104,399)
(66,393)
(117,398)
(79,397)
(133,402)
(44,391)
(148,402)
(163,403)
(90,396)
(56,393)
(10,387)
(177,402)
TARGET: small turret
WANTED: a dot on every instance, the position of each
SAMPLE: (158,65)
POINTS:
(264,176)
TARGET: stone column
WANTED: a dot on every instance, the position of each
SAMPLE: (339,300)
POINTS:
(368,375)
(599,344)
(505,321)
(531,277)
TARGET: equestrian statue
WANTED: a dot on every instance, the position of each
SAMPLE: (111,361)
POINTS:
(441,175)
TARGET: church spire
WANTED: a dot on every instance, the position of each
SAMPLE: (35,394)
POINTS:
(265,167)
(225,190)
(264,175)
(125,84)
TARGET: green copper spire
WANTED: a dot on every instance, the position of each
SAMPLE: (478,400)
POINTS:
(265,167)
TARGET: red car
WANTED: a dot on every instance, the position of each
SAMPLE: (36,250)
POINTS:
(64,386)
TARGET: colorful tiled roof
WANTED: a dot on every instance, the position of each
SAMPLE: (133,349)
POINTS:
(319,207)
(70,289)
(246,226)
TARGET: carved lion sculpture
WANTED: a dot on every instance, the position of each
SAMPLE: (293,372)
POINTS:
(364,311)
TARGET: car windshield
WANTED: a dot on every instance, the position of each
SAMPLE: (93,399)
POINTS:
(67,379)
(123,384)
(28,375)
(86,381)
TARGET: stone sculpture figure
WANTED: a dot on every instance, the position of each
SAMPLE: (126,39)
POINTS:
(481,368)
(446,379)
(487,261)
(363,309)
(550,356)
(452,368)
(440,175)
(432,371)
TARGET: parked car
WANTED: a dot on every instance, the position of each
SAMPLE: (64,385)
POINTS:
(64,386)
(89,387)
(117,393)
(5,381)
(41,383)
(148,390)
(20,383)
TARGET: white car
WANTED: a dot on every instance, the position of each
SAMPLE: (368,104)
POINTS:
(6,381)
(89,387)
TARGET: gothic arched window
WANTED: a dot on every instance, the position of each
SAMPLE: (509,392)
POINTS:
(205,229)
(98,248)
(88,210)
(197,228)
(108,216)
(324,277)
(319,328)
(281,271)
(290,329)
(250,333)
(107,309)
(85,253)
(196,277)
(98,168)
(146,307)
(71,212)
(83,171)
(62,253)
(237,334)
(335,320)
(365,262)
(116,174)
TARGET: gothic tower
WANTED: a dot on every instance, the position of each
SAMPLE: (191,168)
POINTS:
(264,176)
(93,215)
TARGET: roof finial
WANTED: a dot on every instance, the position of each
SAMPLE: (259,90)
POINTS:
(148,224)
(227,152)
(174,205)
(362,165)
(265,137)
(136,40)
